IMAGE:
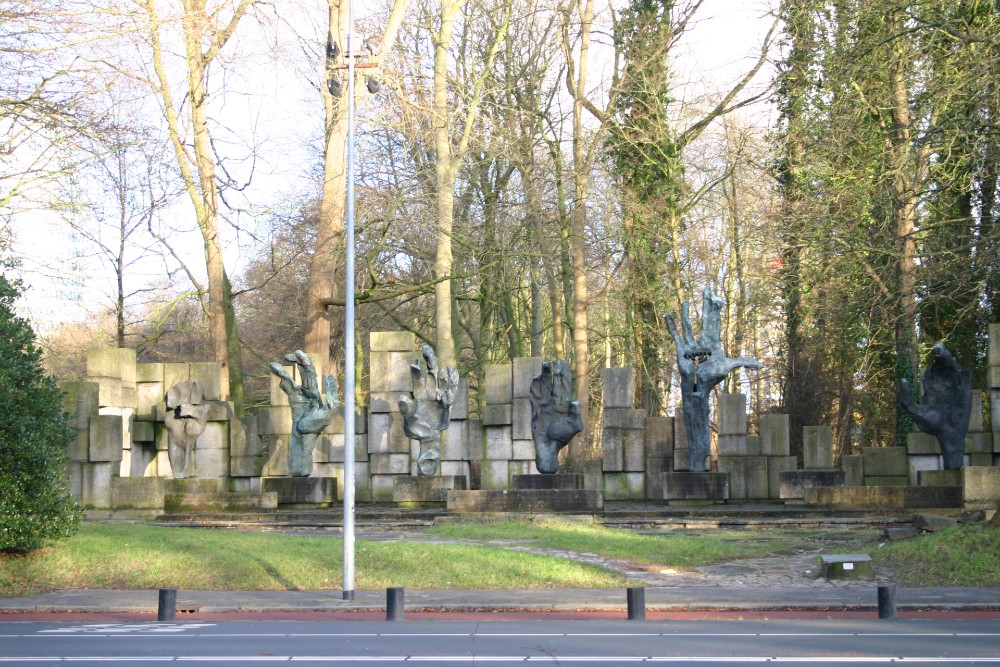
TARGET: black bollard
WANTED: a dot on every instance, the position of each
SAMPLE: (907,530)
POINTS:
(167,608)
(636,598)
(394,604)
(887,601)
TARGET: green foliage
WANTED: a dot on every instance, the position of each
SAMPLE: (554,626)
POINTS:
(35,504)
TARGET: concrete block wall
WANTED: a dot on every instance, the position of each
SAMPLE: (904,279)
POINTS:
(624,450)
(740,454)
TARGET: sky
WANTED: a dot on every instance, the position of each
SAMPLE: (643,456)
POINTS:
(67,283)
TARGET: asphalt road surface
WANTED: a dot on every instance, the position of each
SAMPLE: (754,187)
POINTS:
(927,642)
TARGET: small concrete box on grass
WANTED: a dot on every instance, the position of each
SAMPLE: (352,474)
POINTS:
(846,566)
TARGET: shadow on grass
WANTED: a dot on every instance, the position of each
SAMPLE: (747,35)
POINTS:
(275,574)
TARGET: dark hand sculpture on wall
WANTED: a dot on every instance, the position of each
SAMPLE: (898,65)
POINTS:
(703,364)
(945,407)
(186,418)
(309,415)
(555,415)
(428,411)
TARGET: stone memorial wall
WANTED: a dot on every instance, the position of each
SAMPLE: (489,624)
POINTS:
(119,459)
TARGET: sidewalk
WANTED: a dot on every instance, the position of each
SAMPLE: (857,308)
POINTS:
(681,598)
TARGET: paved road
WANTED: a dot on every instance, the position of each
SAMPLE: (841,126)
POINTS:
(467,643)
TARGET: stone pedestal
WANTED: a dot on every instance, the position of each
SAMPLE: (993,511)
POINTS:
(795,483)
(981,487)
(526,501)
(560,480)
(302,492)
(695,486)
(212,495)
(425,490)
(939,478)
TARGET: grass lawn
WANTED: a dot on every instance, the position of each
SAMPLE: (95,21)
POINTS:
(133,556)
(677,548)
(967,555)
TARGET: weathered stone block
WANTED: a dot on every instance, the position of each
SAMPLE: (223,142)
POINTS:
(211,462)
(525,502)
(979,459)
(426,489)
(658,437)
(499,444)
(932,523)
(525,369)
(624,486)
(381,486)
(495,474)
(747,476)
(939,477)
(95,484)
(390,371)
(695,486)
(80,402)
(381,402)
(921,463)
(734,445)
(993,377)
(624,418)
(139,493)
(633,453)
(274,420)
(457,469)
(922,444)
(143,432)
(389,464)
(885,461)
(499,384)
(215,436)
(455,446)
(795,483)
(244,438)
(981,485)
(522,450)
(979,443)
(887,480)
(775,466)
(392,341)
(680,430)
(106,438)
(151,372)
(79,448)
(774,434)
(174,373)
(520,419)
(682,459)
(559,480)
(475,439)
(976,421)
(498,414)
(112,362)
(149,400)
(619,387)
(109,391)
(274,448)
(385,434)
(329,449)
(460,406)
(654,476)
(817,447)
(993,356)
(246,466)
(299,491)
(613,449)
(519,469)
(854,470)
(362,482)
(732,414)
(210,374)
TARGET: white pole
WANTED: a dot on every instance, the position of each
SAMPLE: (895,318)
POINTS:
(349,324)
